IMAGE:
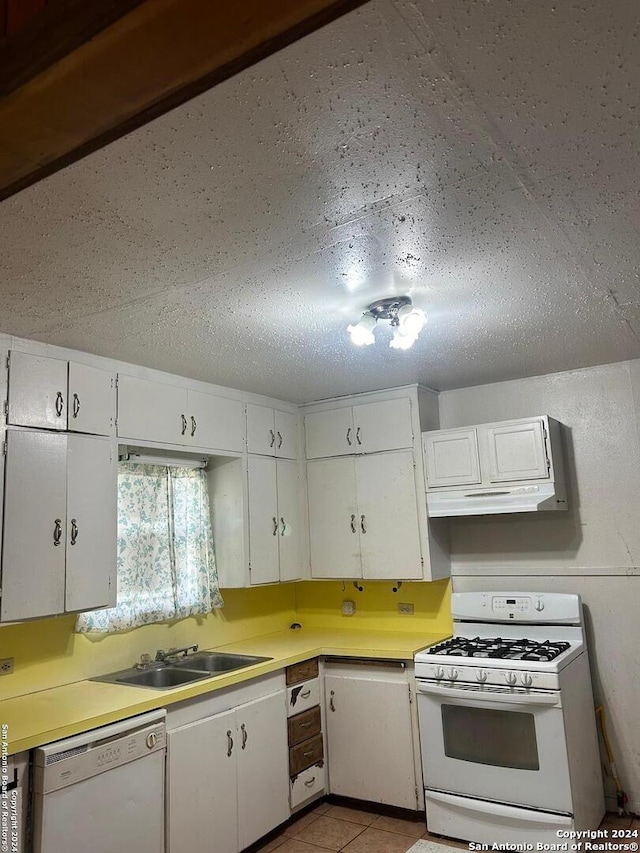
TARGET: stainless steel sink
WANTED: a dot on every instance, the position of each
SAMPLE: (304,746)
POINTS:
(160,678)
(184,670)
(218,662)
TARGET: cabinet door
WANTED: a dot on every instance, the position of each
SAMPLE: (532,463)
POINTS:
(261,432)
(37,391)
(151,411)
(333,519)
(263,777)
(33,563)
(92,400)
(330,433)
(202,796)
(369,739)
(286,425)
(289,520)
(263,520)
(451,458)
(517,452)
(215,422)
(388,516)
(383,426)
(91,523)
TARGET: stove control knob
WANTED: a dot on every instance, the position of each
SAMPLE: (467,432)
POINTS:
(511,678)
(527,680)
(453,674)
(439,673)
(482,676)
(539,605)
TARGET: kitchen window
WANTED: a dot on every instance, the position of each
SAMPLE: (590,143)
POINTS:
(166,563)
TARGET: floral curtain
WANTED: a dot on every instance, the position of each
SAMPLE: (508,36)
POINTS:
(166,563)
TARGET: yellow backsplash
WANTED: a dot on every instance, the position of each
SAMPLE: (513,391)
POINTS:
(48,653)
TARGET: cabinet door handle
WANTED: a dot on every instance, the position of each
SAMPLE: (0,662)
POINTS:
(279,440)
(59,404)
(76,405)
(358,436)
(245,736)
(74,531)
(284,526)
(57,531)
(229,743)
(275,525)
(362,527)
(349,442)
(331,703)
(194,426)
(273,438)
(353,523)
(309,783)
(184,424)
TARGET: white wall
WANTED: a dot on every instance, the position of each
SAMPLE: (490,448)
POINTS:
(593,548)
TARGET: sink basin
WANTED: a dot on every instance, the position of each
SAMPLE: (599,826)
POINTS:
(218,662)
(162,678)
(185,670)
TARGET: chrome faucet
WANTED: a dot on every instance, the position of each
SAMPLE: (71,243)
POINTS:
(162,656)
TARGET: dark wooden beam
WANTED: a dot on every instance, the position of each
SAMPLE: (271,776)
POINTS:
(155,57)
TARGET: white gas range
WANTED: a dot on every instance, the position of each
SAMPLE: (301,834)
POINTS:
(507,725)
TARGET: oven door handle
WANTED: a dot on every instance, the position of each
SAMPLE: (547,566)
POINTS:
(530,699)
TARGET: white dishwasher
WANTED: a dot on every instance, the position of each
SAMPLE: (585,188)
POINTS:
(102,791)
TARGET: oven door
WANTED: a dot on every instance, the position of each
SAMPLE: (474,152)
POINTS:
(494,743)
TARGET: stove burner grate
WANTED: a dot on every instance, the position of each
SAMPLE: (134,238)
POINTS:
(496,647)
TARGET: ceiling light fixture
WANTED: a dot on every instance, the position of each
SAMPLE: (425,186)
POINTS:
(407,322)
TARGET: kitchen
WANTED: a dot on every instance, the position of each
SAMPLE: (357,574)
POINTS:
(572,375)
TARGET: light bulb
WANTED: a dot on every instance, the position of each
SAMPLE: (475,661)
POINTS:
(411,321)
(400,341)
(362,332)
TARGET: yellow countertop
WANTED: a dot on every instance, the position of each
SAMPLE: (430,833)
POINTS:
(60,712)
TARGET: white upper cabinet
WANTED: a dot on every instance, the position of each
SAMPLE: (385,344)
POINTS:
(272,432)
(59,549)
(489,469)
(364,428)
(170,414)
(363,517)
(50,393)
(517,452)
(451,457)
(274,520)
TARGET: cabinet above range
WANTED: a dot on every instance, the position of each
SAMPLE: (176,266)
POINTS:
(487,469)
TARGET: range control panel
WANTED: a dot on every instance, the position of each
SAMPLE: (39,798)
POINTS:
(500,604)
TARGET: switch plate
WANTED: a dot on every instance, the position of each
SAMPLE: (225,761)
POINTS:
(6,666)
(405,609)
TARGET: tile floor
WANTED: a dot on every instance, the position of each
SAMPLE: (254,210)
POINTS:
(343,828)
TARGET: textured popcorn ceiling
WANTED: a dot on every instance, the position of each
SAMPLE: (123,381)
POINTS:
(482,156)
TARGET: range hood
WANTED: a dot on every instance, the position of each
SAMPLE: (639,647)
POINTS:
(498,500)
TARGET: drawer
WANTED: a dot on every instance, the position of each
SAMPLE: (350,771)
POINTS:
(307,784)
(302,671)
(301,697)
(304,725)
(305,754)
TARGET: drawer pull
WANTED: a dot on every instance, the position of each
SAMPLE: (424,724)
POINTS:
(307,753)
(310,782)
(305,694)
(304,725)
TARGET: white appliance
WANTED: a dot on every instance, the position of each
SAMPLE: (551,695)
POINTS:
(102,791)
(507,725)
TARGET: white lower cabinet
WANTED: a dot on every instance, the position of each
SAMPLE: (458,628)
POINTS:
(228,778)
(59,546)
(371,734)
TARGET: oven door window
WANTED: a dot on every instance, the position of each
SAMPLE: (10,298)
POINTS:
(486,736)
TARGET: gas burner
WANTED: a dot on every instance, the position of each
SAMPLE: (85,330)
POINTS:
(496,647)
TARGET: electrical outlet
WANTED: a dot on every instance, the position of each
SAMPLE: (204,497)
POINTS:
(405,609)
(348,608)
(6,666)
